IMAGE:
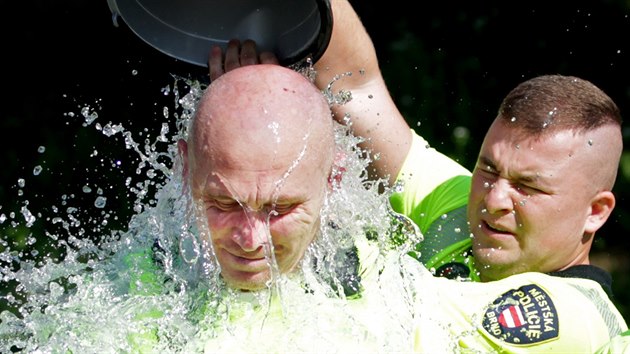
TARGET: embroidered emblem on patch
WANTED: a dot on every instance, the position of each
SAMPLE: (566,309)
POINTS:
(522,316)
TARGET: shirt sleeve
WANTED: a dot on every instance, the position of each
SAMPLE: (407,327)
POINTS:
(524,313)
(434,192)
(423,171)
(619,344)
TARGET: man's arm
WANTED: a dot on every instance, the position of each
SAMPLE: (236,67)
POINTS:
(435,186)
(372,111)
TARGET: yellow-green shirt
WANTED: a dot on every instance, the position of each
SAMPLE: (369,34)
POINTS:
(434,195)
(524,313)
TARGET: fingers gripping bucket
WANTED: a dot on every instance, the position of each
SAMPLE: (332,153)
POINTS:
(186,29)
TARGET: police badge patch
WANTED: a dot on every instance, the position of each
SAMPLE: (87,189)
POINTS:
(522,316)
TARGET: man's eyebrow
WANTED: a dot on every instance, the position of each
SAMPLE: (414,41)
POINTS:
(486,161)
(519,177)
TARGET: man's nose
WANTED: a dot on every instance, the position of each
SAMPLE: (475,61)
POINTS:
(498,197)
(254,231)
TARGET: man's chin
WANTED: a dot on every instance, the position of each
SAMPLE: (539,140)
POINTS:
(492,263)
(253,282)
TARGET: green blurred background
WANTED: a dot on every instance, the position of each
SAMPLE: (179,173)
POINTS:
(448,65)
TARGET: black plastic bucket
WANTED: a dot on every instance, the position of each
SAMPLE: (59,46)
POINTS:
(186,29)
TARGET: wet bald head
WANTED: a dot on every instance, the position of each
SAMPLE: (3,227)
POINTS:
(262,112)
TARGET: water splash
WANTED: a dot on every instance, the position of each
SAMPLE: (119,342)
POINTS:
(96,287)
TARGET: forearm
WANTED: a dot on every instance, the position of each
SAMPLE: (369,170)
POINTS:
(371,111)
(349,50)
(374,116)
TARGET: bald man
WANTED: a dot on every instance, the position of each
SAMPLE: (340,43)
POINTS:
(259,157)
(260,161)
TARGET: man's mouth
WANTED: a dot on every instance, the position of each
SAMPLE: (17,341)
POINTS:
(496,228)
(247,262)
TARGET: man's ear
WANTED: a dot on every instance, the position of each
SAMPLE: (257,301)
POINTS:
(182,147)
(602,206)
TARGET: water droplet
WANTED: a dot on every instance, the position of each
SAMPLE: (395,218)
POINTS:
(100,202)
(28,216)
(88,115)
(399,187)
(37,170)
(41,149)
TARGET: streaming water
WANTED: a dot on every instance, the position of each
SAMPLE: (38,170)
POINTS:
(152,284)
